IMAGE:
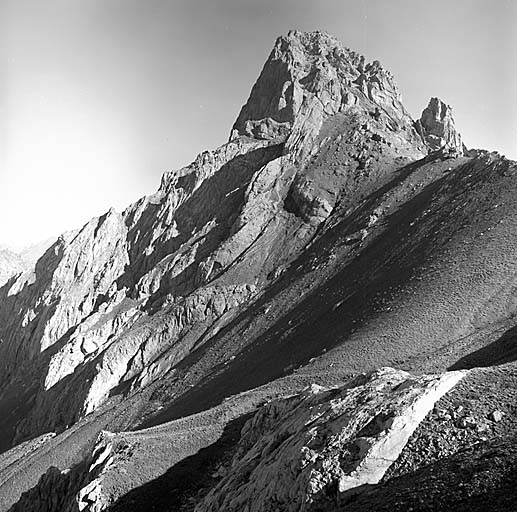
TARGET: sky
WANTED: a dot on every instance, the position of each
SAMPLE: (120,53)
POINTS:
(99,97)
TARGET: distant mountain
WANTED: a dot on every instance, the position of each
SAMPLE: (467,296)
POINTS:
(241,339)
(31,253)
(10,264)
(14,262)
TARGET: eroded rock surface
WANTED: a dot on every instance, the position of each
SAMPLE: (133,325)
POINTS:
(436,125)
(320,446)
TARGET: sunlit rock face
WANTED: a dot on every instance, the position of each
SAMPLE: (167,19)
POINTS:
(128,295)
(310,451)
(309,77)
(436,125)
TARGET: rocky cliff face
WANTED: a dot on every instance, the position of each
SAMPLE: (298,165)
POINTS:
(330,236)
(134,292)
(317,449)
(436,125)
(309,77)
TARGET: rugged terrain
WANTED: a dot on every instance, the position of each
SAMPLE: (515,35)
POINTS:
(240,340)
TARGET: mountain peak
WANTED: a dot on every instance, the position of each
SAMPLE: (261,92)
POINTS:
(221,319)
(436,125)
(312,75)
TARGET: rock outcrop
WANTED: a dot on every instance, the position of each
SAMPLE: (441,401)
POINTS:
(308,78)
(314,450)
(55,491)
(436,126)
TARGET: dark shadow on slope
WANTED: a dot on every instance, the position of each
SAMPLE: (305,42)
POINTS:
(475,479)
(214,200)
(55,490)
(17,403)
(188,481)
(57,418)
(501,351)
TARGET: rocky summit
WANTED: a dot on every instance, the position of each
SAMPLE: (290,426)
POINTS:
(317,315)
(436,126)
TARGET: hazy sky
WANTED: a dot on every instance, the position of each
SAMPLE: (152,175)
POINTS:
(99,97)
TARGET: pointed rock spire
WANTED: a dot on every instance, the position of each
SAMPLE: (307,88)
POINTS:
(436,126)
(308,77)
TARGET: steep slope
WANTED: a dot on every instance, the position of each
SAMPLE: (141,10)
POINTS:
(462,456)
(332,235)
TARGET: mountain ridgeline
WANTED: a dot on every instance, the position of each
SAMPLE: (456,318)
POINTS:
(331,236)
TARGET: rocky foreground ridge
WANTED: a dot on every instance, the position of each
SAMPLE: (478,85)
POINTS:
(332,235)
(317,448)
